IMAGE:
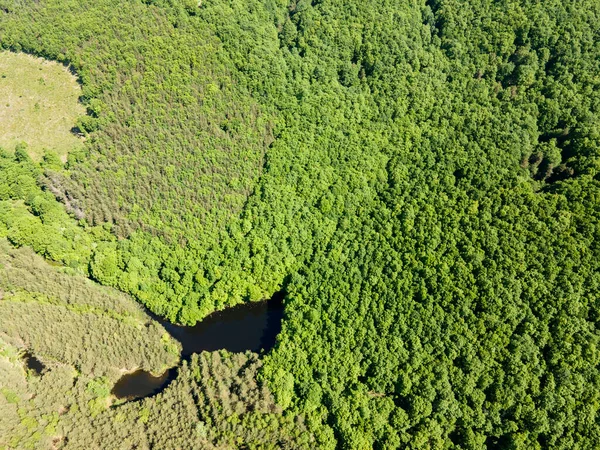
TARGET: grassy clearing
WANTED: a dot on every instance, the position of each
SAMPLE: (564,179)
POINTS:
(38,105)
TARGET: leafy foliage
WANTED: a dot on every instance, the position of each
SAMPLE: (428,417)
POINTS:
(422,177)
(90,327)
(69,322)
(215,402)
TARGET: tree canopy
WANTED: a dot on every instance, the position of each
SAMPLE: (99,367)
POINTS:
(421,178)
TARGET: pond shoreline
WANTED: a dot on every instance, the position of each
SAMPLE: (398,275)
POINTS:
(246,327)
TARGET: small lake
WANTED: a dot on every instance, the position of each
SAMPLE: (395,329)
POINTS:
(250,326)
(32,363)
(142,384)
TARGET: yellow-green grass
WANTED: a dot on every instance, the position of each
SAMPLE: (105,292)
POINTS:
(39,105)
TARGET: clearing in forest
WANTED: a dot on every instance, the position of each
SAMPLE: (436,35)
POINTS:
(39,105)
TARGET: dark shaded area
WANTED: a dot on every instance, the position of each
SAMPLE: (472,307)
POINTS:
(142,384)
(33,364)
(562,172)
(501,442)
(251,326)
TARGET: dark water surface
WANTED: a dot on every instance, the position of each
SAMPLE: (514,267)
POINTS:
(142,384)
(251,326)
(32,363)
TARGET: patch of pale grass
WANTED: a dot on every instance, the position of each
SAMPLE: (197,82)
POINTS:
(39,105)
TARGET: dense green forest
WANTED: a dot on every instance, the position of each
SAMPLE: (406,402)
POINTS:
(86,336)
(421,178)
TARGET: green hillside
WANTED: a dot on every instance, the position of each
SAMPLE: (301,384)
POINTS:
(421,178)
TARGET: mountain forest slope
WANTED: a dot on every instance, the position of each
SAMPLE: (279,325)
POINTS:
(421,178)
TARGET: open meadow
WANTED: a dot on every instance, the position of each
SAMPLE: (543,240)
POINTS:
(39,105)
